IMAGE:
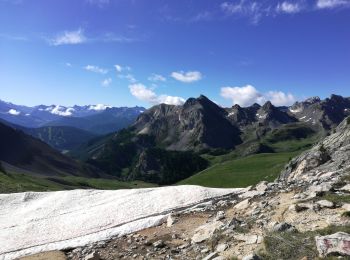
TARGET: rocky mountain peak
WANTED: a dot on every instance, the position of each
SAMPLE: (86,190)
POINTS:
(267,106)
(313,100)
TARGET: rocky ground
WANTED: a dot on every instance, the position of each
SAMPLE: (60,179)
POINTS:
(303,215)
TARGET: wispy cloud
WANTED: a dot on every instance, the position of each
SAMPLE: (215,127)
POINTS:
(99,3)
(96,69)
(251,9)
(247,95)
(79,37)
(202,16)
(68,64)
(187,77)
(106,82)
(287,7)
(143,93)
(156,77)
(129,77)
(13,37)
(330,4)
(68,37)
(120,68)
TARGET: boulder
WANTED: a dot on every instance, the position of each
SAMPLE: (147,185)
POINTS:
(325,204)
(206,231)
(159,244)
(251,257)
(92,256)
(220,215)
(283,227)
(337,243)
(211,256)
(249,239)
(221,247)
(262,186)
(345,188)
(346,206)
(170,221)
(244,204)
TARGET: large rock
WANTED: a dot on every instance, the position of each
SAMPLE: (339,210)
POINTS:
(346,188)
(283,227)
(338,243)
(322,162)
(325,204)
(251,257)
(206,231)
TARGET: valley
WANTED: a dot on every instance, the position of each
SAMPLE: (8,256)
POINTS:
(162,148)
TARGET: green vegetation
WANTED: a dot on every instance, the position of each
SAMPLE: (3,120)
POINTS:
(336,198)
(167,167)
(131,157)
(241,172)
(2,169)
(289,245)
(19,182)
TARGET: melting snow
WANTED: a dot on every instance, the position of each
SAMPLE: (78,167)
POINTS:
(34,222)
(297,110)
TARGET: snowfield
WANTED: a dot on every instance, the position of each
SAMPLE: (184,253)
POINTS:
(33,222)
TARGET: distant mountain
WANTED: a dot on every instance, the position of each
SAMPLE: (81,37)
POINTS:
(63,138)
(25,152)
(107,121)
(326,113)
(99,119)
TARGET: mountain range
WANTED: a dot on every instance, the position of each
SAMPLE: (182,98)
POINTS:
(97,119)
(165,143)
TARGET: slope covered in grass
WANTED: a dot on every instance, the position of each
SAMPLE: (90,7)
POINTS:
(242,172)
(19,182)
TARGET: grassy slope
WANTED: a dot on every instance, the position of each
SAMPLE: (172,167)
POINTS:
(230,170)
(242,172)
(19,182)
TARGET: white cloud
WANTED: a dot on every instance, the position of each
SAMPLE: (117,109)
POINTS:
(120,68)
(14,112)
(69,37)
(96,69)
(98,107)
(187,77)
(243,96)
(68,64)
(62,111)
(143,93)
(279,98)
(247,95)
(323,4)
(171,100)
(287,7)
(156,77)
(106,82)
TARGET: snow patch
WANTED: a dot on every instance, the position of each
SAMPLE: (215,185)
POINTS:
(14,112)
(297,110)
(34,222)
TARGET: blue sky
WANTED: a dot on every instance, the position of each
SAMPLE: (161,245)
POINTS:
(139,52)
